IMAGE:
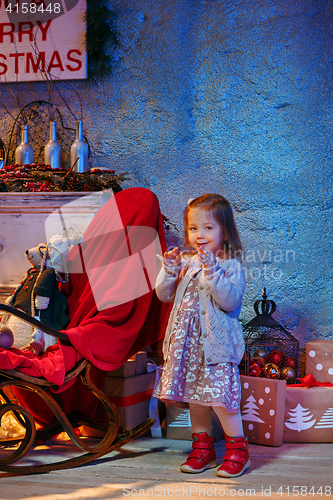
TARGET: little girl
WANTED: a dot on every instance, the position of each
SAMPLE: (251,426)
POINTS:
(204,341)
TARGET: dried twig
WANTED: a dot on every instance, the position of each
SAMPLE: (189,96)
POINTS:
(72,167)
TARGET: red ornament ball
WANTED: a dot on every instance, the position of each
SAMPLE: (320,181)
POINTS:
(288,373)
(260,360)
(255,370)
(271,370)
(290,361)
(276,357)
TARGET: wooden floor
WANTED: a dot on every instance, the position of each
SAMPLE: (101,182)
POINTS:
(149,468)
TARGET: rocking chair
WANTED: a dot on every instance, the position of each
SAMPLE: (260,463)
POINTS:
(114,313)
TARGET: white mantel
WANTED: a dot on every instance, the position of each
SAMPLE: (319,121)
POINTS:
(22,226)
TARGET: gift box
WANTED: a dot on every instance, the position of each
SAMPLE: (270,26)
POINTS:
(137,365)
(125,371)
(262,410)
(319,360)
(156,406)
(131,396)
(141,363)
(309,412)
(178,424)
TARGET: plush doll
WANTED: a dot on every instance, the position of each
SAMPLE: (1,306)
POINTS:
(38,295)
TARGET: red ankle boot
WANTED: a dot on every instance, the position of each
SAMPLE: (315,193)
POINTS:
(203,454)
(236,460)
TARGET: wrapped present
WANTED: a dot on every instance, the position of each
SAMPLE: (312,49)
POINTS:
(309,412)
(137,365)
(262,410)
(156,407)
(178,424)
(124,371)
(140,363)
(131,396)
(319,360)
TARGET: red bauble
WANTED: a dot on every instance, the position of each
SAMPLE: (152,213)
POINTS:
(255,371)
(290,361)
(275,357)
(271,370)
(254,368)
(260,360)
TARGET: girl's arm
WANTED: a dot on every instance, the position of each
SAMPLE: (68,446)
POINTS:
(167,278)
(226,282)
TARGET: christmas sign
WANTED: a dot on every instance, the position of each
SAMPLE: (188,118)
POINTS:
(42,41)
(319,360)
(308,415)
(262,410)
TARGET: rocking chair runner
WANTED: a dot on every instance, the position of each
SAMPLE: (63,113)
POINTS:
(114,313)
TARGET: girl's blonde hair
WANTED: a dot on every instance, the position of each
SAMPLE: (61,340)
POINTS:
(221,210)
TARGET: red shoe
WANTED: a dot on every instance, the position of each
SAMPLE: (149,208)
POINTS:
(236,460)
(203,454)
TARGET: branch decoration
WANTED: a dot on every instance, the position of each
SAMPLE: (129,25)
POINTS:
(42,178)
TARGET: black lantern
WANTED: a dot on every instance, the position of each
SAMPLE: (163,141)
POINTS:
(270,350)
(2,153)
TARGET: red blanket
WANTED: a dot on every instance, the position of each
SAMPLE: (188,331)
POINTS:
(112,304)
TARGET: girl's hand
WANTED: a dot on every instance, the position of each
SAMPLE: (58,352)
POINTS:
(206,258)
(172,258)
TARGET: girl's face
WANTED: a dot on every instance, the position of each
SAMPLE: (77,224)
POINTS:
(204,231)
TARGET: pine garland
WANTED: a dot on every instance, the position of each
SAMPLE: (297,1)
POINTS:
(42,178)
(100,33)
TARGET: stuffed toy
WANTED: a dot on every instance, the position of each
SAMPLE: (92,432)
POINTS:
(38,295)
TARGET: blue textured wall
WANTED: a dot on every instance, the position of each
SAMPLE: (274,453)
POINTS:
(233,97)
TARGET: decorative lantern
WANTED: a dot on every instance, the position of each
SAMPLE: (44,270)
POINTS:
(270,350)
(2,153)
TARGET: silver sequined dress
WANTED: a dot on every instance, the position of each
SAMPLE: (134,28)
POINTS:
(186,378)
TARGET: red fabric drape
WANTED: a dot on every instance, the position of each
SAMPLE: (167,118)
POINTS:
(112,304)
(117,245)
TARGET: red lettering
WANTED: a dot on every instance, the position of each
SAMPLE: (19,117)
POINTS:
(26,32)
(38,65)
(44,29)
(72,59)
(2,65)
(7,33)
(53,64)
(16,57)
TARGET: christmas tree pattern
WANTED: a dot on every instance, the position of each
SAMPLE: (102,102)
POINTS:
(182,420)
(250,411)
(326,420)
(299,420)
